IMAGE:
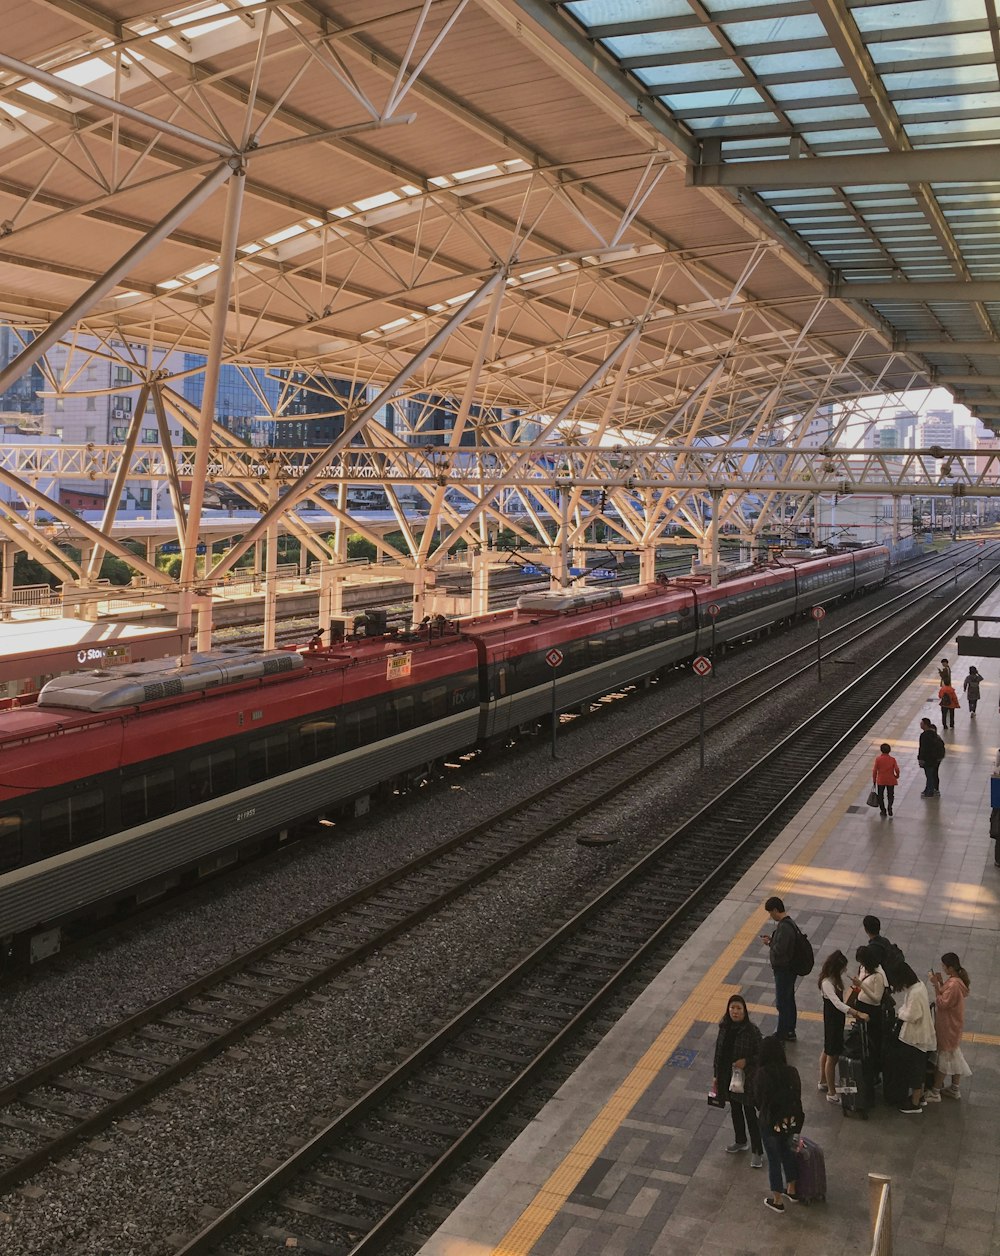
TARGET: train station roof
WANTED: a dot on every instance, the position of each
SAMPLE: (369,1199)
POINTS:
(662,216)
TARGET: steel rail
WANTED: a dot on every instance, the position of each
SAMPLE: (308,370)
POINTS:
(394,1093)
(506,840)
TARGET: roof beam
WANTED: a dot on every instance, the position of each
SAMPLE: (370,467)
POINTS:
(973,348)
(967,163)
(917,290)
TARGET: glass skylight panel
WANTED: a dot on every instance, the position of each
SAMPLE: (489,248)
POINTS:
(816,139)
(664,75)
(909,13)
(807,91)
(960,44)
(661,43)
(829,113)
(968,128)
(712,99)
(740,120)
(975,102)
(772,30)
(604,12)
(932,79)
(811,59)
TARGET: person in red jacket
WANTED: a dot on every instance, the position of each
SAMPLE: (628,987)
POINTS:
(885,778)
(949,705)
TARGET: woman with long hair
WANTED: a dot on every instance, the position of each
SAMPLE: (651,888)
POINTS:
(950,992)
(916,1036)
(835,1014)
(738,1046)
(778,1096)
(868,991)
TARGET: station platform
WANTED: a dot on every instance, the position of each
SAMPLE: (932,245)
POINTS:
(628,1160)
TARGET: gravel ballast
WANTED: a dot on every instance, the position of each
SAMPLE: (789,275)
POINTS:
(146,1181)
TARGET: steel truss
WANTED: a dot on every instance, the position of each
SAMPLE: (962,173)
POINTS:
(537,299)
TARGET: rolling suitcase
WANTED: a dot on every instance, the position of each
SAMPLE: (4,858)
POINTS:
(856,1074)
(810,1184)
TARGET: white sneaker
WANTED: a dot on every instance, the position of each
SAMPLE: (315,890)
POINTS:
(932,1096)
(952,1092)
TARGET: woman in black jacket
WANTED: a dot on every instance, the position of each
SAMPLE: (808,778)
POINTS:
(777,1092)
(738,1046)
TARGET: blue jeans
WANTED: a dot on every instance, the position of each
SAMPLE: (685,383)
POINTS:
(784,1000)
(780,1152)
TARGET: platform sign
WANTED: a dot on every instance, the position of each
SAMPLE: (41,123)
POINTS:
(818,613)
(603,573)
(532,569)
(714,609)
(398,665)
(702,666)
(554,657)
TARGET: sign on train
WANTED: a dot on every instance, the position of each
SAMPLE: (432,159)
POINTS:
(398,665)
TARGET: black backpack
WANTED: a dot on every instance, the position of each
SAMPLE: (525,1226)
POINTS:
(803,960)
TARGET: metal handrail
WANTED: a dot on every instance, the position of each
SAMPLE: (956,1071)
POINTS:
(880,1210)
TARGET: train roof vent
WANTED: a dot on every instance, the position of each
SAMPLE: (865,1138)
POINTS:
(566,599)
(116,689)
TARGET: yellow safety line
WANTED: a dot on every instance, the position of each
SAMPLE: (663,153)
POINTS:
(702,1004)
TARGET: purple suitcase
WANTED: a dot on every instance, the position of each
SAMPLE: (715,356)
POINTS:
(810,1185)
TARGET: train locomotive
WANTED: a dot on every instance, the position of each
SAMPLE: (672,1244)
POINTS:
(116,785)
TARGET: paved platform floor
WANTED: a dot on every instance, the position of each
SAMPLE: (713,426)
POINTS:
(627,1159)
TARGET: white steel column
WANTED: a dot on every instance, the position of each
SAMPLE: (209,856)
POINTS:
(714,536)
(8,552)
(220,313)
(271,576)
(647,564)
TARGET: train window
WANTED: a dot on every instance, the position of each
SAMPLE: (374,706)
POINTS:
(148,796)
(404,712)
(72,821)
(576,655)
(595,649)
(11,830)
(267,757)
(502,681)
(211,775)
(317,740)
(434,702)
(360,727)
(614,642)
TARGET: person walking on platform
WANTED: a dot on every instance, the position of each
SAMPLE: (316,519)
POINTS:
(835,1014)
(950,993)
(916,1037)
(782,945)
(930,752)
(778,1095)
(885,778)
(738,1048)
(971,687)
(948,699)
(944,671)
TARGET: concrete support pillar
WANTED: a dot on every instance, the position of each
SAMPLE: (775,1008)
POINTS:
(8,552)
(423,585)
(647,564)
(203,605)
(897,525)
(480,581)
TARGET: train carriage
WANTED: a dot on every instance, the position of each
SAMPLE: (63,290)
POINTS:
(116,784)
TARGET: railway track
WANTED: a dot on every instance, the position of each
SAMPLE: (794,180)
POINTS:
(44,1113)
(352,1186)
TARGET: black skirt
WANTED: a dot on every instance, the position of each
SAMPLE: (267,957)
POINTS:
(833,1029)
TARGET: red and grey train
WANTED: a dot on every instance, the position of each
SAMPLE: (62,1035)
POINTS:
(116,784)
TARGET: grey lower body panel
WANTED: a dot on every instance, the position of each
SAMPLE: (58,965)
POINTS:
(58,888)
